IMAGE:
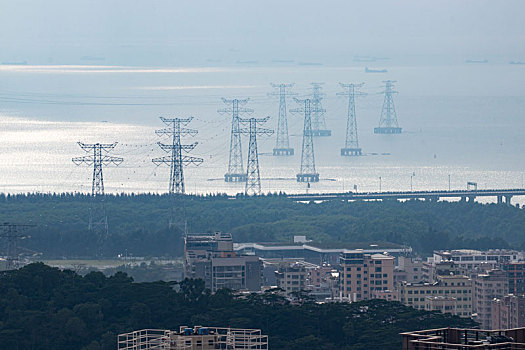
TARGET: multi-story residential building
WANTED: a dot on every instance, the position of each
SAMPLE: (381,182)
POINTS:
(450,294)
(408,270)
(319,275)
(291,278)
(361,274)
(494,284)
(196,338)
(432,270)
(475,259)
(212,259)
(508,312)
(516,274)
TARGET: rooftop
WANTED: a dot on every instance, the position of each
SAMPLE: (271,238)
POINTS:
(463,339)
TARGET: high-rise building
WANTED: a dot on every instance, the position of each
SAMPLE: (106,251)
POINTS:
(516,274)
(212,259)
(361,274)
(494,284)
(508,312)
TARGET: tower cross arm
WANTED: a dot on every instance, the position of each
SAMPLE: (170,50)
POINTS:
(107,160)
(256,120)
(88,147)
(169,148)
(170,121)
(171,131)
(261,131)
(240,102)
(88,160)
(192,160)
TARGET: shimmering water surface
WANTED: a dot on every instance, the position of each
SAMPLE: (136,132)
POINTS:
(466,121)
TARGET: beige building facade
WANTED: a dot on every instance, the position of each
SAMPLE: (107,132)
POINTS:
(494,284)
(363,274)
(450,294)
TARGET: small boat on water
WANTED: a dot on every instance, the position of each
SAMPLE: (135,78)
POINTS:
(21,63)
(476,61)
(516,62)
(375,70)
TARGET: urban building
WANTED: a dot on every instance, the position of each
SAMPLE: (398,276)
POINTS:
(196,338)
(291,278)
(508,312)
(361,274)
(450,294)
(389,295)
(408,270)
(212,259)
(516,274)
(431,270)
(494,284)
(456,339)
(312,252)
(471,259)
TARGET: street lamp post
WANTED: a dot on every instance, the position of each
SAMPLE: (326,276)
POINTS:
(380,183)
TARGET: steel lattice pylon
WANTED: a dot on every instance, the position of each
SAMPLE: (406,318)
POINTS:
(98,219)
(235,169)
(176,159)
(282,142)
(307,172)
(388,122)
(318,118)
(253,176)
(352,141)
(12,233)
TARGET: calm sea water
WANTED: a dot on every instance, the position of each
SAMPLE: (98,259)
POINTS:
(466,121)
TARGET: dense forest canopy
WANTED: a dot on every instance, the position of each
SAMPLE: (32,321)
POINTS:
(139,223)
(45,308)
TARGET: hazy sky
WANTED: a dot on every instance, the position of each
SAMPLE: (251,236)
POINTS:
(124,31)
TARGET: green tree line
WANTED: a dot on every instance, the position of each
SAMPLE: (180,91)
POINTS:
(139,223)
(45,308)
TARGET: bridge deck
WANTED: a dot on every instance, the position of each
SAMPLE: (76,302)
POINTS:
(410,194)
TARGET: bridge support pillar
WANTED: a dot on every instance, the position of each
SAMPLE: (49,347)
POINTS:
(463,198)
(471,199)
(508,200)
(500,199)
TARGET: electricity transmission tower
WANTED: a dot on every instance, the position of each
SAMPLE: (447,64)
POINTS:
(176,159)
(11,233)
(318,119)
(98,219)
(282,143)
(235,170)
(388,122)
(352,141)
(307,173)
(253,177)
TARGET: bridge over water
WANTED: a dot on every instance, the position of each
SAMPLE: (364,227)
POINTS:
(502,196)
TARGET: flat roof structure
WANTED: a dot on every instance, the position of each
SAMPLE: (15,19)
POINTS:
(464,339)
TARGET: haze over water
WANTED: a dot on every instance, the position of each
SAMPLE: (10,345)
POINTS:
(458,119)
